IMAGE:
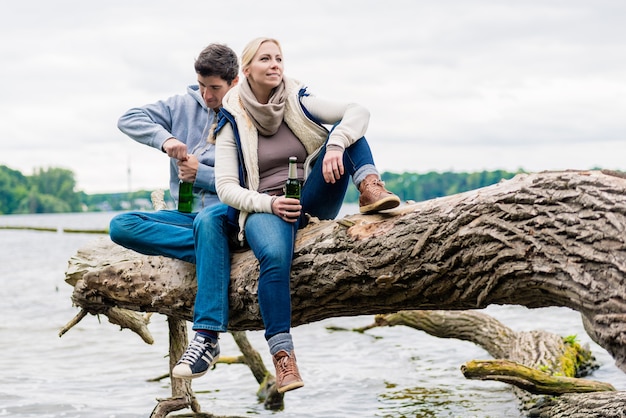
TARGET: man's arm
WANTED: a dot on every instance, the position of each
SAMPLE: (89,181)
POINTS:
(150,124)
(158,124)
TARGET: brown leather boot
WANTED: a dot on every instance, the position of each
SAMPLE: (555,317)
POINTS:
(287,374)
(374,197)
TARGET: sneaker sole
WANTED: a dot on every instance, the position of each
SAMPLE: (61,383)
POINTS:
(192,376)
(291,386)
(195,375)
(383,204)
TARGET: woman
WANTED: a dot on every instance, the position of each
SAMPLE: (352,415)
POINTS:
(273,118)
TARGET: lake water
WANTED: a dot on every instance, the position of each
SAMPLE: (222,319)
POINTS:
(96,370)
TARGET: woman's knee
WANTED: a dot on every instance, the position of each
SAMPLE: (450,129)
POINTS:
(275,256)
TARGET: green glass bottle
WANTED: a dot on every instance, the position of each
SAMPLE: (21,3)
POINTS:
(185,197)
(293,186)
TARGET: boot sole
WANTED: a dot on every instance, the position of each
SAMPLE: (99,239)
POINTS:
(291,386)
(383,204)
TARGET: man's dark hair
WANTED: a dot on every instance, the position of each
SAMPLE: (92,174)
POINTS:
(217,60)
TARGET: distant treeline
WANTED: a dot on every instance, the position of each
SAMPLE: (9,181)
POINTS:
(420,187)
(52,190)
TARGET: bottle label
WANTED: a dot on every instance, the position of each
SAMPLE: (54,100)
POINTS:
(292,188)
(185,197)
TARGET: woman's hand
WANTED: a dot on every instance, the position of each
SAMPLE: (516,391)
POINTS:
(288,209)
(332,167)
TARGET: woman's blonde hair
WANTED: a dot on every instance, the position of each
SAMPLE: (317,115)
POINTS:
(252,48)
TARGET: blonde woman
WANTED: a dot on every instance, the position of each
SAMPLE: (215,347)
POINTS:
(269,118)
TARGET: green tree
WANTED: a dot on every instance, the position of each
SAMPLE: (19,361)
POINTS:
(14,187)
(43,203)
(52,190)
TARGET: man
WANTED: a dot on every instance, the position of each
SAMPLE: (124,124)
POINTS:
(179,126)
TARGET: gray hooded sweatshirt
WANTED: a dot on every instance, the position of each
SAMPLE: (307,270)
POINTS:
(186,118)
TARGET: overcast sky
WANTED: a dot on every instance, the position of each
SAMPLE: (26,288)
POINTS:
(459,85)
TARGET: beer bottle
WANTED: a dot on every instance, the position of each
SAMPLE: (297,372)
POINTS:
(185,197)
(292,187)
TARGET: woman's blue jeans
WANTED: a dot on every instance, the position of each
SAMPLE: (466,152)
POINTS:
(272,240)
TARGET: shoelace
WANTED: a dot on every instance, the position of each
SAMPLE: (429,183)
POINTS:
(286,367)
(193,352)
(371,186)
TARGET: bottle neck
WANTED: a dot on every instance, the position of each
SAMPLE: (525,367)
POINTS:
(293,170)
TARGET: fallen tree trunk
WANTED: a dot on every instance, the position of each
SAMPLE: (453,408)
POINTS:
(545,239)
(537,240)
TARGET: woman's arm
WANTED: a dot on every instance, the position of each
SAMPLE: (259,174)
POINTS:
(353,119)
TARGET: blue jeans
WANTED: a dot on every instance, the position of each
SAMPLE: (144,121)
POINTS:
(189,237)
(211,231)
(164,232)
(272,241)
(323,200)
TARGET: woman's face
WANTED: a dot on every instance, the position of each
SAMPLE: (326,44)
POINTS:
(266,69)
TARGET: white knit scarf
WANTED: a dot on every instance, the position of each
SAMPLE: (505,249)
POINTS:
(265,117)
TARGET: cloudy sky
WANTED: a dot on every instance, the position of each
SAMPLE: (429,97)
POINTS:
(460,85)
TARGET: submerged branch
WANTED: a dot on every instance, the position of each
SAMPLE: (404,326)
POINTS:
(530,379)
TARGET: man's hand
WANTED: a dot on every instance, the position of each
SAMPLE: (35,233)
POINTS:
(175,149)
(188,169)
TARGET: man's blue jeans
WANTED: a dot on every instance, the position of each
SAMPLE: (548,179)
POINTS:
(164,232)
(272,240)
(189,237)
(211,232)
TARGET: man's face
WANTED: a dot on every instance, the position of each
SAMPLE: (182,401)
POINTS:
(213,89)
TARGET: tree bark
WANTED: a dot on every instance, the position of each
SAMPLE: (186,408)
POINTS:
(588,405)
(537,240)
